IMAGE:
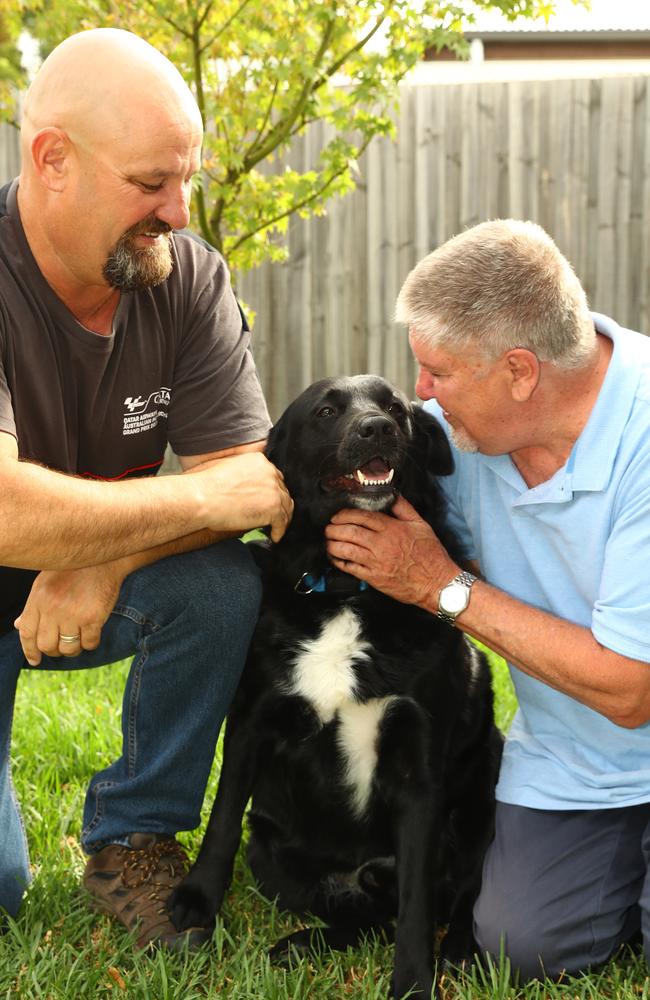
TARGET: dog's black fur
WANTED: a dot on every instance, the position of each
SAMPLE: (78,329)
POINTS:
(371,765)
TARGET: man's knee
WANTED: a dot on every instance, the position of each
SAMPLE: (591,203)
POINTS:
(538,942)
(533,946)
(216,584)
(228,570)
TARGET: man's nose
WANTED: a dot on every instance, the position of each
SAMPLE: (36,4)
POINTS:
(175,209)
(424,388)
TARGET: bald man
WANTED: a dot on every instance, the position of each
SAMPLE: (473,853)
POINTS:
(119,334)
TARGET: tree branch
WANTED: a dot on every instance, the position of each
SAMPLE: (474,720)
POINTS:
(200,21)
(335,67)
(281,130)
(296,206)
(267,116)
(169,20)
(233,17)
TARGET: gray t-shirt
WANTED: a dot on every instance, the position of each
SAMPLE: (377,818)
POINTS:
(177,368)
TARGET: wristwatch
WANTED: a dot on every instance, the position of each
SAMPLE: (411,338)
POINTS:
(454,598)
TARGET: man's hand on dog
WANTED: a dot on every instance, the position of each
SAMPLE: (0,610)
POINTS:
(70,603)
(245,491)
(396,553)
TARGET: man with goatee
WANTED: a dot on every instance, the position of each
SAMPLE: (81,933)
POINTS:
(118,335)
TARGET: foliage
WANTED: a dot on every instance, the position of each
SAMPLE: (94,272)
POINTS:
(12,76)
(262,70)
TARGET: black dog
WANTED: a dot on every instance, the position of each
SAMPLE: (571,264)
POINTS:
(363,728)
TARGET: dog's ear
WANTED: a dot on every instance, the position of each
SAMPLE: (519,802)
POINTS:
(430,443)
(276,445)
(430,457)
(276,452)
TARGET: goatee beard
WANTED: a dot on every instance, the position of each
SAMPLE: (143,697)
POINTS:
(130,267)
(463,441)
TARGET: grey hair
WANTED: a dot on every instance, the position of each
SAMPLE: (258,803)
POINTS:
(499,285)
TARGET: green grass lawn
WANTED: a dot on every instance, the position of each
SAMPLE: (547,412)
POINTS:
(66,727)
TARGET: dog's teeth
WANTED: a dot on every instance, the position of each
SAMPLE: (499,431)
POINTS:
(377,481)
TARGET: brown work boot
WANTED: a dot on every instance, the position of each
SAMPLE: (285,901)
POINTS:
(133,884)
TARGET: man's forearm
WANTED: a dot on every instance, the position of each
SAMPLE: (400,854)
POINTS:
(559,653)
(52,521)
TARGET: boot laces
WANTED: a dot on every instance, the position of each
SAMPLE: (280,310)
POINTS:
(164,856)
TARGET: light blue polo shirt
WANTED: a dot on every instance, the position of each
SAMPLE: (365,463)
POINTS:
(577,546)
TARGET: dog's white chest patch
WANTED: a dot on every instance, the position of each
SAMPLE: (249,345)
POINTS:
(324,675)
(357,738)
(324,668)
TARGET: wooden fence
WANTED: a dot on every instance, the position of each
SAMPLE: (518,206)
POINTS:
(572,155)
(9,152)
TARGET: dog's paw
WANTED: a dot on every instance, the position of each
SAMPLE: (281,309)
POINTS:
(458,950)
(292,948)
(188,906)
(414,991)
(410,982)
(378,877)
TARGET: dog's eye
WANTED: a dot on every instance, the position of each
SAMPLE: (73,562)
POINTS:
(326,411)
(396,409)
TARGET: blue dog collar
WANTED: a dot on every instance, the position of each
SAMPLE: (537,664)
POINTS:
(309,584)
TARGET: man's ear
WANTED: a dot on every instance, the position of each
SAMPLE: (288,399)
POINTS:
(523,372)
(51,149)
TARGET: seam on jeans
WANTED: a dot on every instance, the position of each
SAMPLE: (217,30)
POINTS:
(131,741)
(598,914)
(14,799)
(128,612)
(131,727)
(91,849)
(98,815)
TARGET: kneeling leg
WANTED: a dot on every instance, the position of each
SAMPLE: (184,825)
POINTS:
(561,888)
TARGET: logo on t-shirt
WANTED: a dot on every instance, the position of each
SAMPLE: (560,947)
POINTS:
(142,413)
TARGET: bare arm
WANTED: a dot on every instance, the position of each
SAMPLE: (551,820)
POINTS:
(77,601)
(402,557)
(197,539)
(565,656)
(53,521)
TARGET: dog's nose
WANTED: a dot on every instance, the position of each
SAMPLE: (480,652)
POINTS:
(375,425)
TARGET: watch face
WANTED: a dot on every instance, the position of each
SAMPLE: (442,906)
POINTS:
(453,598)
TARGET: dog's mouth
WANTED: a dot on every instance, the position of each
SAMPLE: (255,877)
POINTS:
(374,476)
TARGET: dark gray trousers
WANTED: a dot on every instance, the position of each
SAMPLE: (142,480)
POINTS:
(562,890)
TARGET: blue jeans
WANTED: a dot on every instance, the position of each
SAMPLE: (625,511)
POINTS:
(188,619)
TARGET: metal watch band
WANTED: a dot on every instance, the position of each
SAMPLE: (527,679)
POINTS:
(466,579)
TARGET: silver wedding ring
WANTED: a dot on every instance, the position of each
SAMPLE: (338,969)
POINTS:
(69,638)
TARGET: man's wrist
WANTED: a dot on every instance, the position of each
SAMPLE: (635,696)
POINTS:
(454,596)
